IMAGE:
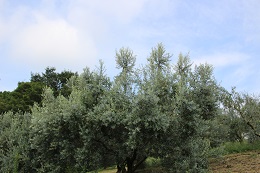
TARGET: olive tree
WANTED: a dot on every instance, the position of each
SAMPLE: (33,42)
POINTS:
(188,149)
(14,143)
(127,123)
(245,107)
(57,142)
(152,111)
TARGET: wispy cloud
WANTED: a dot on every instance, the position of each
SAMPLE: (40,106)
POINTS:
(222,59)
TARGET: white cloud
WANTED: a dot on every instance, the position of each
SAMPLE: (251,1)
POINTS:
(52,42)
(101,18)
(222,59)
(41,36)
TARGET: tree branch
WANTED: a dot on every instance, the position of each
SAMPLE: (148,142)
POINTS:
(139,163)
(108,149)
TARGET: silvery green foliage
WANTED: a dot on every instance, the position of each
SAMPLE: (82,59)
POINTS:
(170,112)
(144,112)
(127,128)
(57,140)
(54,133)
(126,124)
(204,90)
(206,94)
(188,149)
(158,77)
(14,144)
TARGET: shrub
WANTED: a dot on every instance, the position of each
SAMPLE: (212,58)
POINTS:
(238,147)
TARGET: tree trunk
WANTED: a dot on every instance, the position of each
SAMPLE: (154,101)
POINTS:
(130,165)
(121,169)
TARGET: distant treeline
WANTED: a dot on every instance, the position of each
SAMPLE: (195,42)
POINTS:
(28,93)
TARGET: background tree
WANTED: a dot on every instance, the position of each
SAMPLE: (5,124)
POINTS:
(28,93)
(5,102)
(22,98)
(56,81)
(247,108)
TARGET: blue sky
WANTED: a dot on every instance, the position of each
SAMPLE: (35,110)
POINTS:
(73,34)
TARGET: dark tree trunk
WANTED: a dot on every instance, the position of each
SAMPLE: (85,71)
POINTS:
(121,169)
(130,165)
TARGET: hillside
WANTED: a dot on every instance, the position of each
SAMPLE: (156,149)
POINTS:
(248,162)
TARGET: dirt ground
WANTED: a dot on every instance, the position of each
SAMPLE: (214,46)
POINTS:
(248,162)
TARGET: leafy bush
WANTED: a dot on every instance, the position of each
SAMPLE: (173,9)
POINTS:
(217,152)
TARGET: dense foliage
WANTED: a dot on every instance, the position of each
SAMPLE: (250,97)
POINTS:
(175,113)
(27,93)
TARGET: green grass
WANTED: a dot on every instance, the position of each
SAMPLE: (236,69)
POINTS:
(238,147)
(113,170)
(151,165)
(107,170)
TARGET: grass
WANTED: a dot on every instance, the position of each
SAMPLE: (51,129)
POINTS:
(238,147)
(151,165)
(107,170)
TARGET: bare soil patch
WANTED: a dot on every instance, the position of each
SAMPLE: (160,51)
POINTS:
(248,162)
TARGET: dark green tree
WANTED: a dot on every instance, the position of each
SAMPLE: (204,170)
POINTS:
(5,102)
(28,93)
(22,98)
(56,81)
